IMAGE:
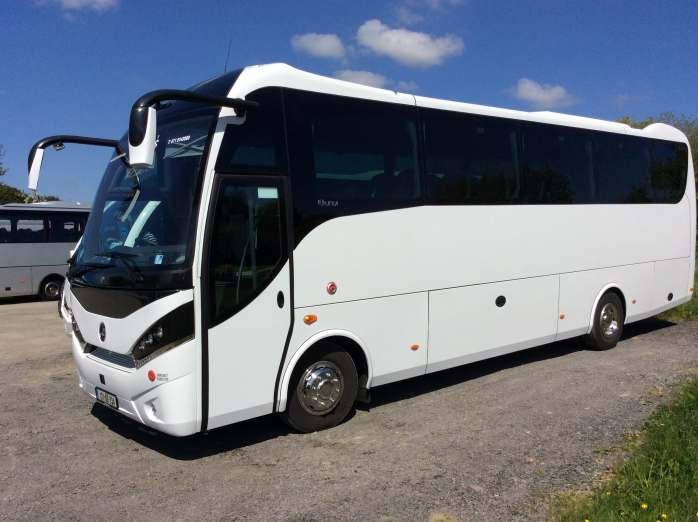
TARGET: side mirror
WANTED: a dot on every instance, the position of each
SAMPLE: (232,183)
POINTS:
(142,136)
(36,156)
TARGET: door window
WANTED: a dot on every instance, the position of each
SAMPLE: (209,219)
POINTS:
(247,248)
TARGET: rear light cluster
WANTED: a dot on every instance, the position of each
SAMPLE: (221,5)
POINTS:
(170,331)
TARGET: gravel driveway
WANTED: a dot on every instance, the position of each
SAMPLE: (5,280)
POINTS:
(482,442)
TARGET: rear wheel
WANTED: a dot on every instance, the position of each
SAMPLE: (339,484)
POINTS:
(50,288)
(608,323)
(322,391)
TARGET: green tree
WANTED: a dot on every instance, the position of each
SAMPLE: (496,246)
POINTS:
(686,124)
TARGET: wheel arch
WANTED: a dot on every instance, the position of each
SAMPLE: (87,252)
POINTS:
(608,287)
(347,340)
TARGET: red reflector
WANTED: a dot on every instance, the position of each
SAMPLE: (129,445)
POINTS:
(151,375)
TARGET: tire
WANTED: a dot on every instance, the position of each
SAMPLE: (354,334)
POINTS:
(307,411)
(609,317)
(50,289)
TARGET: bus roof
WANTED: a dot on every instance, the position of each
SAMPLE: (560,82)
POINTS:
(283,75)
(47,205)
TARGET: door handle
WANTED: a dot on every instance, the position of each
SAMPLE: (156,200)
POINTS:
(280,299)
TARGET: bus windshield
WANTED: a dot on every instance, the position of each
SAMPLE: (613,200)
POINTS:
(143,221)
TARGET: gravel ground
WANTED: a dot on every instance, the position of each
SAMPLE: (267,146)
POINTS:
(487,441)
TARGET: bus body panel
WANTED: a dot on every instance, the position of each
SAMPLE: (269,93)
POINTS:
(169,404)
(579,292)
(15,281)
(393,329)
(670,281)
(122,333)
(244,353)
(429,248)
(472,319)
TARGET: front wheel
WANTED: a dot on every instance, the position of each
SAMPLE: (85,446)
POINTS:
(608,323)
(323,391)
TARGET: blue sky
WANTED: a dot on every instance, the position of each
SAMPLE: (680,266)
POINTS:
(76,66)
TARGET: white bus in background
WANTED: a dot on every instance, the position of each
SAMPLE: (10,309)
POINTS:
(278,241)
(35,243)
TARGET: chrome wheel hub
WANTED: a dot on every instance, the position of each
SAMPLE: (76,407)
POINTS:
(320,388)
(609,320)
(52,289)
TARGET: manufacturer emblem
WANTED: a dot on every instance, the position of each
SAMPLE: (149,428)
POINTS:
(102,332)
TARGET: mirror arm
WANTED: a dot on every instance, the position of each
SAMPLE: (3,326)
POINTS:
(139,112)
(37,151)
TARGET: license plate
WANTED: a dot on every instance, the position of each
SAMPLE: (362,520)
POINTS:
(107,398)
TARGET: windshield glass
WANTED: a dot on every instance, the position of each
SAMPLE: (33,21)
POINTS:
(141,229)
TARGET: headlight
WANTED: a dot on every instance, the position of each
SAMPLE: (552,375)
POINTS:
(78,334)
(170,331)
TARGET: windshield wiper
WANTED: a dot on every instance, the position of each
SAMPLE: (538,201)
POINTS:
(127,260)
(87,267)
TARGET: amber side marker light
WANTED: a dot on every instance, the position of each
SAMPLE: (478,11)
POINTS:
(562,316)
(309,319)
(414,347)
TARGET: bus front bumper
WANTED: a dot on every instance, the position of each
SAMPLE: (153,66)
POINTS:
(168,404)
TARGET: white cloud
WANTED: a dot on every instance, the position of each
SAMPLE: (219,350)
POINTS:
(407,47)
(407,16)
(543,95)
(407,86)
(94,5)
(362,77)
(320,45)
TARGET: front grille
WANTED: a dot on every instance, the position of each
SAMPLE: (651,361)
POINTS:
(119,359)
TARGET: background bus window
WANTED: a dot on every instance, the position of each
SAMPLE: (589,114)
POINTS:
(30,231)
(65,228)
(5,229)
(470,159)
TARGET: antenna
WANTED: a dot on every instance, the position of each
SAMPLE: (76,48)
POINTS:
(227,55)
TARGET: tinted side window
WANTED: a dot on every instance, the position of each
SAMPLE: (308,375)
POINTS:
(470,159)
(621,168)
(556,164)
(669,171)
(257,145)
(65,227)
(5,229)
(247,248)
(30,230)
(349,156)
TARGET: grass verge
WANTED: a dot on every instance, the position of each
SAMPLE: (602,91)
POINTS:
(686,311)
(658,481)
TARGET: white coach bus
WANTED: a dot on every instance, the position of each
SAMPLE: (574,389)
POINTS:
(278,241)
(35,243)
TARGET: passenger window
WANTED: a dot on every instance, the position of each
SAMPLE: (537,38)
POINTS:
(621,169)
(247,248)
(557,165)
(470,159)
(30,231)
(256,145)
(5,230)
(351,155)
(669,171)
